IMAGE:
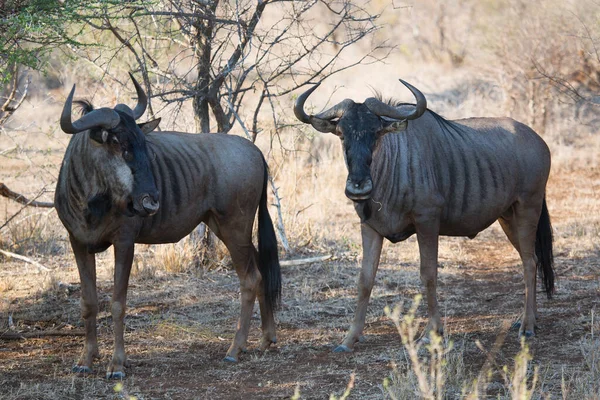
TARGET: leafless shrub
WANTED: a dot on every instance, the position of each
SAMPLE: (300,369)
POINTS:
(548,57)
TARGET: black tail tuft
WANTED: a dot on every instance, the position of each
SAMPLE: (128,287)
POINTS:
(543,251)
(268,259)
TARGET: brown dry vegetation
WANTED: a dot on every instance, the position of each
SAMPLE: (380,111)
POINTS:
(470,59)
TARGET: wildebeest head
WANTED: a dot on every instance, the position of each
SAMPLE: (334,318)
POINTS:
(360,126)
(121,153)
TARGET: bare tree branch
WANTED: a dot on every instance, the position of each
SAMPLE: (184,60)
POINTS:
(39,334)
(19,198)
(25,259)
(11,103)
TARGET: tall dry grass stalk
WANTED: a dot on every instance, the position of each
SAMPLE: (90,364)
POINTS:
(435,370)
(347,391)
(586,383)
(518,380)
(426,378)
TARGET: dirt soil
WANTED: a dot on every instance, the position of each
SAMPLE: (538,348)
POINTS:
(179,326)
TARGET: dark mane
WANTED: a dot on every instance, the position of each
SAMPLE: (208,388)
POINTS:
(390,101)
(444,123)
(84,105)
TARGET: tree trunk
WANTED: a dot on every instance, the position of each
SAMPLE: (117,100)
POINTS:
(204,32)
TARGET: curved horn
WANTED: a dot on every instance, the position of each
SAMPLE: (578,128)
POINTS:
(382,109)
(103,117)
(299,105)
(140,108)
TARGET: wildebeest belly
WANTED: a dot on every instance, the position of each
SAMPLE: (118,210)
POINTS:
(470,224)
(401,236)
(170,228)
(395,226)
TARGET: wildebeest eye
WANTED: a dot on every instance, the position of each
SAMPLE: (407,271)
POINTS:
(127,155)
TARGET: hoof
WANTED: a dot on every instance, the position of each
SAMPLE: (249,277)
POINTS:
(342,349)
(230,359)
(81,369)
(516,325)
(526,334)
(266,343)
(115,375)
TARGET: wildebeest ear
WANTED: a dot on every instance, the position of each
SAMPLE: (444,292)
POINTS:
(323,125)
(149,126)
(393,126)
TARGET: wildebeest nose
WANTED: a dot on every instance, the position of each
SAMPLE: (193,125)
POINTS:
(359,190)
(150,205)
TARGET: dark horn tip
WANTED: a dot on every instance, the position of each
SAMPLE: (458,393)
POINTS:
(71,93)
(140,108)
(299,105)
(65,118)
(419,96)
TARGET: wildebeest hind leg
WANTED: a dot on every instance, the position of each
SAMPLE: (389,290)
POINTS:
(266,317)
(267,321)
(526,221)
(123,260)
(371,243)
(507,222)
(86,264)
(239,244)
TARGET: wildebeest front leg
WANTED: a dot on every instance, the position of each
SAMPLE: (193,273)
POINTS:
(86,264)
(428,238)
(371,243)
(123,260)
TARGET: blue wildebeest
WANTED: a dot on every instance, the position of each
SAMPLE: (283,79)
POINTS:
(119,184)
(412,171)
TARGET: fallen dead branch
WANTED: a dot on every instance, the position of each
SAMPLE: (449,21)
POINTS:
(300,261)
(19,198)
(25,259)
(38,334)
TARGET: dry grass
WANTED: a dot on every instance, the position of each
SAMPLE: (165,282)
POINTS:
(586,383)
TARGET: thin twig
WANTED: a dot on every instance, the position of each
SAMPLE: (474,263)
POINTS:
(38,334)
(301,261)
(280,227)
(25,259)
(19,198)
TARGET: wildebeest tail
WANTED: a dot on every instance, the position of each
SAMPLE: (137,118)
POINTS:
(543,250)
(268,258)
